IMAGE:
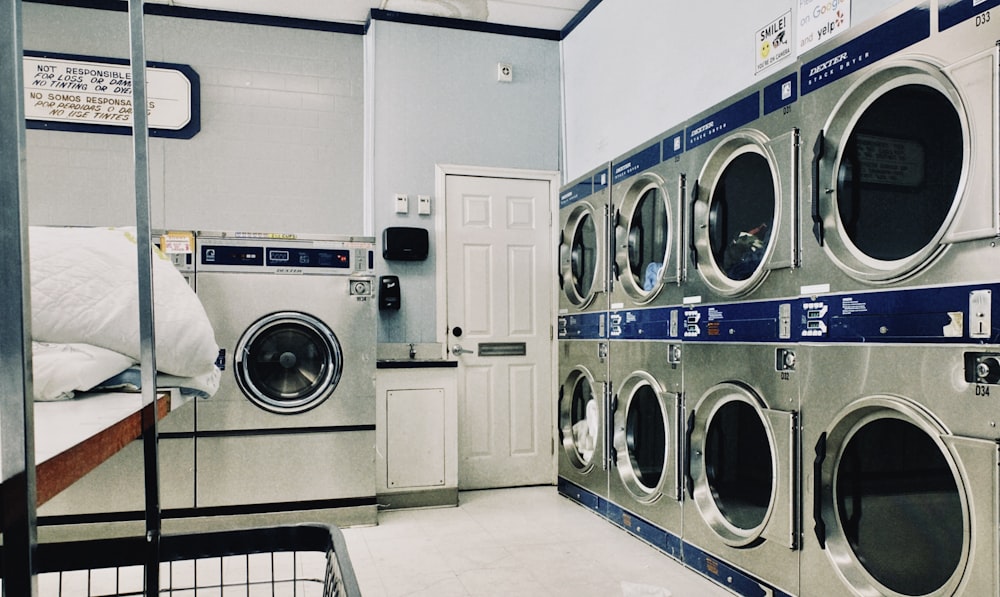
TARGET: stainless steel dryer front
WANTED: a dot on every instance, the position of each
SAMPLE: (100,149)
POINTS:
(646,418)
(647,225)
(292,427)
(742,172)
(900,136)
(583,256)
(741,520)
(582,419)
(900,462)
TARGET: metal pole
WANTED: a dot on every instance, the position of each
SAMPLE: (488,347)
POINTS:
(17,435)
(140,140)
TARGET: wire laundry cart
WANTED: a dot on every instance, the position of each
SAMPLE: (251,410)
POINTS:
(308,560)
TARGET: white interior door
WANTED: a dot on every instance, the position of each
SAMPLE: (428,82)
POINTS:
(499,279)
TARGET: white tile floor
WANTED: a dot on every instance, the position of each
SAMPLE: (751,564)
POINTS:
(524,542)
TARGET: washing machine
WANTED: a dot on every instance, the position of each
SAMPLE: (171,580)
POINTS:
(292,427)
(899,132)
(900,450)
(742,514)
(646,418)
(646,224)
(741,162)
(583,256)
(583,398)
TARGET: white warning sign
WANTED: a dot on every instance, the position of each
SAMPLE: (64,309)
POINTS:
(773,42)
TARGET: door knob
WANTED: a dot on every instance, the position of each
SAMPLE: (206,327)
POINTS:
(458,351)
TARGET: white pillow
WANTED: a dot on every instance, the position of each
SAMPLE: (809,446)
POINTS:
(60,369)
(84,289)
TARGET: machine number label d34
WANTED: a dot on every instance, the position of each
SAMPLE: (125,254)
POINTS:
(982,390)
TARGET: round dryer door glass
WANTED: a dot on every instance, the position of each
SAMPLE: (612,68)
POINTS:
(899,172)
(898,505)
(645,438)
(579,419)
(738,464)
(643,252)
(288,362)
(741,215)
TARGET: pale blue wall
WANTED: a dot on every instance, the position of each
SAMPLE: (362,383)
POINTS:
(437,101)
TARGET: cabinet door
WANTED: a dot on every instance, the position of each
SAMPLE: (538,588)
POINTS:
(415,434)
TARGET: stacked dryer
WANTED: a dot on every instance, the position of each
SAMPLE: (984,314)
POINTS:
(741,373)
(583,346)
(899,420)
(645,412)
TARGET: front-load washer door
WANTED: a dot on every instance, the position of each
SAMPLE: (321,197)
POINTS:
(288,362)
(581,420)
(581,256)
(894,494)
(644,449)
(646,237)
(904,167)
(743,211)
(742,467)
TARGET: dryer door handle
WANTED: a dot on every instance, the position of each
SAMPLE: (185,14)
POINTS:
(692,245)
(819,150)
(688,479)
(818,525)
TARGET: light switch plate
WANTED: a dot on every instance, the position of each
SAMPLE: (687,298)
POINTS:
(402,203)
(424,205)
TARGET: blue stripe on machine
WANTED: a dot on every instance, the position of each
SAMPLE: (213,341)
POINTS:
(781,93)
(673,145)
(724,121)
(635,163)
(956,11)
(901,32)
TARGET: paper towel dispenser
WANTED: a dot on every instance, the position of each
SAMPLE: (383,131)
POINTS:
(401,243)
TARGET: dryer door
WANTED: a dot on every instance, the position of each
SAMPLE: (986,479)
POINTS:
(581,419)
(646,237)
(903,167)
(743,211)
(898,504)
(645,438)
(742,463)
(581,255)
(288,362)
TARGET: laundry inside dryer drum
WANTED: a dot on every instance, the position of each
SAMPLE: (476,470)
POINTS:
(288,363)
(645,438)
(898,505)
(738,465)
(741,215)
(648,238)
(899,172)
(579,422)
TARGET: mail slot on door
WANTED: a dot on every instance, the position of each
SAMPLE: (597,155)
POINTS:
(502,349)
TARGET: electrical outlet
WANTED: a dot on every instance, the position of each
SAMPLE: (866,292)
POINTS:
(424,205)
(402,204)
(505,72)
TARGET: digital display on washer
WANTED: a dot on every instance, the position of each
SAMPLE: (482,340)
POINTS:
(299,257)
(231,255)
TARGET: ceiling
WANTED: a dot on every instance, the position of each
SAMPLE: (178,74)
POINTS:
(540,14)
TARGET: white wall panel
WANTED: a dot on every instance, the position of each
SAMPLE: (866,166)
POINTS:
(635,68)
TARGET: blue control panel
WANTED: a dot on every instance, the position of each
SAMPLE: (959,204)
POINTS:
(298,257)
(583,326)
